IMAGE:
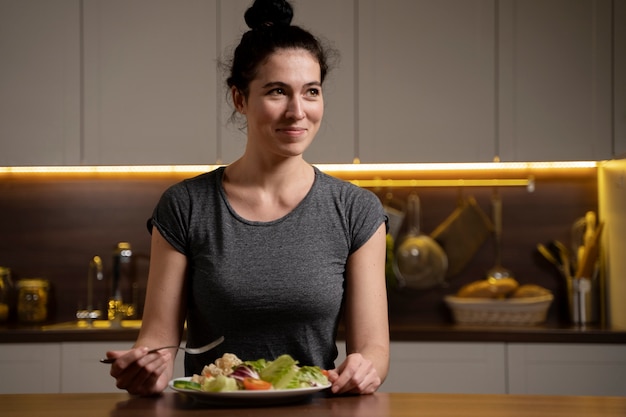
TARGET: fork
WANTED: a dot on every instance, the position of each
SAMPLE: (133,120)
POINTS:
(192,351)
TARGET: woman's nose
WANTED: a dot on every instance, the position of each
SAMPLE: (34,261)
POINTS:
(295,109)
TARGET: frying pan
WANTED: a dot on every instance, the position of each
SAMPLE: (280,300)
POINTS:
(419,262)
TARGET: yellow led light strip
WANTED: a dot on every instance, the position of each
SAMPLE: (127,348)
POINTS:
(371,169)
(463,166)
(376,183)
(108,169)
(489,174)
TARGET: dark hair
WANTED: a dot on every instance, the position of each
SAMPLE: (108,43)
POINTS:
(270,30)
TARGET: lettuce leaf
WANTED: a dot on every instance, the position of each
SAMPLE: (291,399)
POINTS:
(280,372)
(308,376)
(257,365)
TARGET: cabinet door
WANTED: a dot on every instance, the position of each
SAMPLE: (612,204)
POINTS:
(555,80)
(83,372)
(39,82)
(150,82)
(431,367)
(30,368)
(567,369)
(426,90)
(333,22)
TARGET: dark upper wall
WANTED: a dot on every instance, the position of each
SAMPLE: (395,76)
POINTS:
(52,227)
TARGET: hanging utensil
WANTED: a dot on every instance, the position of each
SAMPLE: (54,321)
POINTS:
(498,271)
(462,234)
(419,261)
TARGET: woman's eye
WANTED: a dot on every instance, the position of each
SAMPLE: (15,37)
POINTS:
(276,92)
(313,92)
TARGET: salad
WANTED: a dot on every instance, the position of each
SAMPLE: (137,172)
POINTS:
(229,373)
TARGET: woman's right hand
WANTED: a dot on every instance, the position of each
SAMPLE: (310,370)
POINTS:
(135,370)
(140,372)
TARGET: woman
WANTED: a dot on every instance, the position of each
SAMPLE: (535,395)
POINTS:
(267,251)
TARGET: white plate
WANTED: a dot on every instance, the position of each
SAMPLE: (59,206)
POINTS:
(249,398)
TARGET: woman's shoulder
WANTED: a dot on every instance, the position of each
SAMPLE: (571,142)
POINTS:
(205,177)
(199,183)
(342,186)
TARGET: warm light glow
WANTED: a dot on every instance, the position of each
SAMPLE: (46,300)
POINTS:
(108,169)
(488,174)
(372,169)
(445,183)
(462,166)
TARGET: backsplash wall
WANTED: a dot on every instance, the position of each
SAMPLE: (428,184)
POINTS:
(52,226)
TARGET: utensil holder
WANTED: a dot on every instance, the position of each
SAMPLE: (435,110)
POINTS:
(584,300)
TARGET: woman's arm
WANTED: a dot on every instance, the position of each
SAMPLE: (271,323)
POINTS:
(366,320)
(162,324)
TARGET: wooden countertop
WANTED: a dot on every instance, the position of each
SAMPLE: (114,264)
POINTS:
(377,405)
(399,332)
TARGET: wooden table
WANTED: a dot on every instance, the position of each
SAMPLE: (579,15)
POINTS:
(378,405)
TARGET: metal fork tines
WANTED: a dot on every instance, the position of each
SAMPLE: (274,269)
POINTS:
(192,351)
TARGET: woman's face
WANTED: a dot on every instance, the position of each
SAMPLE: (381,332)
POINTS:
(284,107)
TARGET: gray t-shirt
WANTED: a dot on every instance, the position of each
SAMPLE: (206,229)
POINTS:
(270,288)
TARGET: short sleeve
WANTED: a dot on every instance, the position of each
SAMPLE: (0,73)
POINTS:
(171,217)
(365,213)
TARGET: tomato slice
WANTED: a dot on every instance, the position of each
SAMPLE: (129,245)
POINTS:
(254,384)
(325,373)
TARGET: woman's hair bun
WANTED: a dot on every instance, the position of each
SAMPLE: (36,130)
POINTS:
(268,13)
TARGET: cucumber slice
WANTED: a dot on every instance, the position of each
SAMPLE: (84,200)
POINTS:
(181,384)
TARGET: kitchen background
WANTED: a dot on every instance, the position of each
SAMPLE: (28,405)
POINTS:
(53,225)
(110,83)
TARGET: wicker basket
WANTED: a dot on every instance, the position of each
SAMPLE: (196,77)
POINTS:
(510,311)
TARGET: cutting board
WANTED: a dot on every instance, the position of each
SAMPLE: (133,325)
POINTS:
(462,234)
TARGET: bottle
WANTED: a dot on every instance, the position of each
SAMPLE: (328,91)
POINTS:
(121,302)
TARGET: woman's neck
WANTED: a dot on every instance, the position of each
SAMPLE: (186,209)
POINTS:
(267,192)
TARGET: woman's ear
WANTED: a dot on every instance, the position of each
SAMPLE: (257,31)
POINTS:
(239,101)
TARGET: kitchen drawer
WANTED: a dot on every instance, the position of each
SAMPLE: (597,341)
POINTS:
(451,367)
(567,369)
(30,368)
(81,370)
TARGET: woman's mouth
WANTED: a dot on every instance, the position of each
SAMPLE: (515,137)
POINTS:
(293,131)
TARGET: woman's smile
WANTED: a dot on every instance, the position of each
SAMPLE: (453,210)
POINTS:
(292,131)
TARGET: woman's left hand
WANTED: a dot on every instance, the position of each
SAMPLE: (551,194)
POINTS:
(356,375)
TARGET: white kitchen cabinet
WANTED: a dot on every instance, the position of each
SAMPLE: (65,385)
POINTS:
(29,368)
(66,367)
(150,82)
(434,367)
(425,75)
(555,100)
(566,369)
(417,81)
(429,367)
(512,368)
(81,370)
(39,82)
(334,23)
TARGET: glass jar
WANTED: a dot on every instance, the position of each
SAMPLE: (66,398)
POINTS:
(6,290)
(32,300)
